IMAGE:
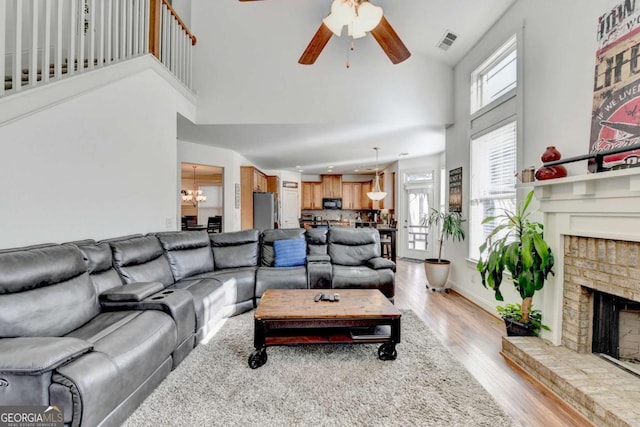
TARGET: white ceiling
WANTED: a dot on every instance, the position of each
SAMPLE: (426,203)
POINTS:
(345,145)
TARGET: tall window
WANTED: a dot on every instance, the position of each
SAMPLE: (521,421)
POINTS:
(493,166)
(493,145)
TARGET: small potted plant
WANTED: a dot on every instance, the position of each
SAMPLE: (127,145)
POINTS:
(450,227)
(517,245)
(512,316)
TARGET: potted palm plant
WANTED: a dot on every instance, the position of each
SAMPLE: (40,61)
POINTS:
(517,245)
(450,227)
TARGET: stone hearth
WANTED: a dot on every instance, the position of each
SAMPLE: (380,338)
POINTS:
(592,224)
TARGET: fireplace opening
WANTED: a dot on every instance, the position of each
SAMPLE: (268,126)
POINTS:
(616,330)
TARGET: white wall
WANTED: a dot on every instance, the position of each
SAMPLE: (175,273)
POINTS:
(99,165)
(229,160)
(183,7)
(240,78)
(559,59)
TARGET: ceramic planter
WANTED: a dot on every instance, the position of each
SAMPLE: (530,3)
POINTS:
(437,272)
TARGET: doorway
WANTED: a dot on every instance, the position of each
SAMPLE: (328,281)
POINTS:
(207,182)
(290,208)
(418,200)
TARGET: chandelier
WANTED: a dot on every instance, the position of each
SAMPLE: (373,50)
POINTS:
(359,16)
(376,194)
(194,196)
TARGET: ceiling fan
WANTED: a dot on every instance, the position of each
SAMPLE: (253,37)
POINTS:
(360,17)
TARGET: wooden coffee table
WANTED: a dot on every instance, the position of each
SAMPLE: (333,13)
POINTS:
(291,316)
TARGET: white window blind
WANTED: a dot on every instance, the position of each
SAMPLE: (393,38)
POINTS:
(493,169)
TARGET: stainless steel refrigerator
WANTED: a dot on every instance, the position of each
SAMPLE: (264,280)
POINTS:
(263,211)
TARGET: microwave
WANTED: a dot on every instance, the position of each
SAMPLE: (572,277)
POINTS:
(331,203)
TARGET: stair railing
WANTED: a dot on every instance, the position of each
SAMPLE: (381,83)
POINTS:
(45,40)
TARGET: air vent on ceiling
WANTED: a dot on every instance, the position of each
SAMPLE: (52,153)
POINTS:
(447,40)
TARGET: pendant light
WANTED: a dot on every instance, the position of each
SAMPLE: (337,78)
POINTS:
(194,196)
(376,194)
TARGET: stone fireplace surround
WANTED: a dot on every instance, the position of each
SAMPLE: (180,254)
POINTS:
(592,224)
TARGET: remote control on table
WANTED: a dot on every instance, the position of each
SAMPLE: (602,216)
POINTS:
(318,297)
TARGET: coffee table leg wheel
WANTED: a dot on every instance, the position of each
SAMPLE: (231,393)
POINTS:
(387,352)
(257,358)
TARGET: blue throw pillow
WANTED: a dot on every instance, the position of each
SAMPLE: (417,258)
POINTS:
(290,253)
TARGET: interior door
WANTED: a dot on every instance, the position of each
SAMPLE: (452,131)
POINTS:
(290,208)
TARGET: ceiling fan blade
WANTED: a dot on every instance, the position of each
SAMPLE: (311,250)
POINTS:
(390,42)
(317,43)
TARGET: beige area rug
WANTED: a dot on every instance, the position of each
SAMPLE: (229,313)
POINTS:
(324,385)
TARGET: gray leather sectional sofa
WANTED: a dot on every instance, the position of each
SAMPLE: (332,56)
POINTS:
(93,327)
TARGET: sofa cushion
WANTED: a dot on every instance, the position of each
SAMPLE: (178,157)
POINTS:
(290,253)
(235,249)
(207,299)
(137,343)
(273,235)
(280,278)
(99,261)
(34,355)
(316,241)
(97,256)
(362,277)
(188,252)
(353,246)
(45,292)
(241,281)
(141,259)
(23,270)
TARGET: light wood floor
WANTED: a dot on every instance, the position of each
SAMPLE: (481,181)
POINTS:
(474,337)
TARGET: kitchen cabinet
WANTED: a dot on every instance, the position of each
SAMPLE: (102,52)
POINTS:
(332,186)
(365,201)
(352,195)
(312,195)
(251,179)
(259,181)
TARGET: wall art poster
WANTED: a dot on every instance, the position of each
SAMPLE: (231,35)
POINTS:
(615,119)
(455,190)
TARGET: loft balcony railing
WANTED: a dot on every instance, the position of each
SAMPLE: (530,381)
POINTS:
(47,40)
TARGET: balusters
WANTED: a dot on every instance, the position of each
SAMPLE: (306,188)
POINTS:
(3,18)
(58,62)
(100,30)
(17,56)
(73,28)
(50,38)
(33,63)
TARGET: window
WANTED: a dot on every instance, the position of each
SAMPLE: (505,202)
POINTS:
(493,168)
(494,140)
(495,77)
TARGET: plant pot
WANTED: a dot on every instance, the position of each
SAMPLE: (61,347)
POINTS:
(518,329)
(437,272)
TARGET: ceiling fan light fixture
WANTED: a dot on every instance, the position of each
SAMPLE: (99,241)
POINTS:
(334,23)
(342,13)
(355,30)
(369,16)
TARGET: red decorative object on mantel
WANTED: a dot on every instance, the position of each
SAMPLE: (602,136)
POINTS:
(551,154)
